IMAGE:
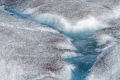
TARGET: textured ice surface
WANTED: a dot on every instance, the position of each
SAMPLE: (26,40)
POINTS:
(77,19)
(107,65)
(29,51)
(71,15)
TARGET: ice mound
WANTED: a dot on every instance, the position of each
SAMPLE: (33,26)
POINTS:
(107,65)
(107,37)
(63,25)
(71,16)
(31,51)
(61,19)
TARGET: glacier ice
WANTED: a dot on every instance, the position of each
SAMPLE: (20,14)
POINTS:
(77,20)
(107,65)
(77,16)
(31,51)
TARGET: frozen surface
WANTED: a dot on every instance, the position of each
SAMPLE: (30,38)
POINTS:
(42,43)
(71,16)
(107,65)
(30,51)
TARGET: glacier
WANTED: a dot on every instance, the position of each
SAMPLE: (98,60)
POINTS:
(107,65)
(30,51)
(59,40)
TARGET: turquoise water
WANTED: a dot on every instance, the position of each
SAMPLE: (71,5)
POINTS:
(84,44)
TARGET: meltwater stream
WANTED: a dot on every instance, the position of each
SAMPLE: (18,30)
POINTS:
(84,43)
(92,26)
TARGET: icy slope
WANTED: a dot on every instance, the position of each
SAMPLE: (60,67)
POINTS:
(30,51)
(71,16)
(77,19)
(107,65)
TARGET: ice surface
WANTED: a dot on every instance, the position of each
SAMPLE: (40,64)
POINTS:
(79,15)
(107,36)
(31,51)
(76,19)
(107,65)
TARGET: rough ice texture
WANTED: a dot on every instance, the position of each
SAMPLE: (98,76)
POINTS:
(72,15)
(29,51)
(68,16)
(107,65)
(107,36)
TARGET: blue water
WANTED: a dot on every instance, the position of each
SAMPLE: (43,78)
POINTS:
(16,13)
(84,44)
